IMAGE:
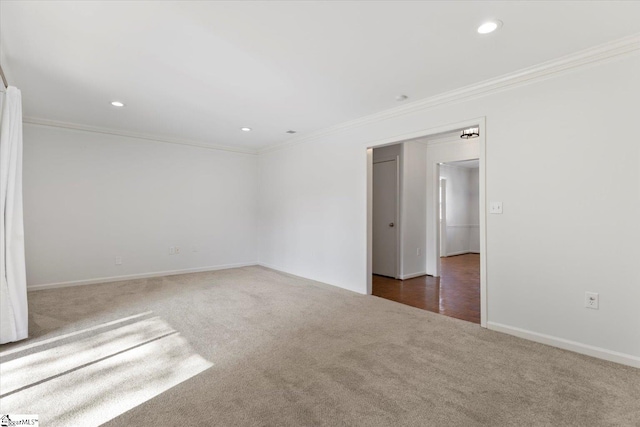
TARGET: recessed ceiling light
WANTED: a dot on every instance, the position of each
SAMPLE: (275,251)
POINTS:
(117,104)
(245,129)
(401,97)
(489,26)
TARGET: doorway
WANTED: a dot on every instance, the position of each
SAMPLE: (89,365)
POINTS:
(385,217)
(422,278)
(459,228)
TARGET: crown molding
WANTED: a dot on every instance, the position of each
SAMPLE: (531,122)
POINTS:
(585,58)
(582,59)
(127,134)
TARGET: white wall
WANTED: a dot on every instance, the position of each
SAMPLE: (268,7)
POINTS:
(89,197)
(555,238)
(414,209)
(463,232)
(474,210)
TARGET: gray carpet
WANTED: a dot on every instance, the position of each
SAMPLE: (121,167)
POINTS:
(254,347)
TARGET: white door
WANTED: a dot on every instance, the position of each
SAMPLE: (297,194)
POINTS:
(385,203)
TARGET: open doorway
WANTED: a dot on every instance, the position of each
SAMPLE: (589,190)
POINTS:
(459,249)
(438,264)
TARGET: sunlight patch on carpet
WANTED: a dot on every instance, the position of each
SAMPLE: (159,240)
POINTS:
(93,380)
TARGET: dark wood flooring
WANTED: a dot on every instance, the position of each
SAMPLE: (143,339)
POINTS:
(456,293)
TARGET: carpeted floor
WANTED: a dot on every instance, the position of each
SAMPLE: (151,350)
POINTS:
(254,347)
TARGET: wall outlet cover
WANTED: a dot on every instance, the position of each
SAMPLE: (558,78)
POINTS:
(591,300)
(495,207)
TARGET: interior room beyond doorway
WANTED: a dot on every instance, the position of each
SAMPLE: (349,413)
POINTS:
(400,208)
(456,293)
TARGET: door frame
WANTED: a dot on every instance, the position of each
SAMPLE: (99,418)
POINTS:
(480,122)
(442,215)
(397,222)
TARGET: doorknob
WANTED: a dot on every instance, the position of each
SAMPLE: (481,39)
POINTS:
(391,224)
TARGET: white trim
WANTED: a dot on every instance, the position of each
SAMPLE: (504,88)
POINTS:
(285,271)
(299,276)
(589,350)
(136,276)
(426,133)
(458,253)
(482,199)
(369,230)
(441,220)
(385,159)
(399,212)
(155,138)
(412,275)
(584,58)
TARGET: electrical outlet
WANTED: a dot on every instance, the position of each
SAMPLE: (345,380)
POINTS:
(172,250)
(177,250)
(591,300)
(118,260)
(495,207)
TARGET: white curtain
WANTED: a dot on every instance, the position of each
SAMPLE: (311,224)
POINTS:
(13,293)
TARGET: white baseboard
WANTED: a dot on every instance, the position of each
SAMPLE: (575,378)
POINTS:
(135,276)
(412,275)
(285,271)
(461,253)
(598,352)
(601,353)
(290,273)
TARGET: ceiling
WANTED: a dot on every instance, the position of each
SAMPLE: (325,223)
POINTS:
(199,71)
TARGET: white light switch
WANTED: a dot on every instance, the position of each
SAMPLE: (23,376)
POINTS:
(495,207)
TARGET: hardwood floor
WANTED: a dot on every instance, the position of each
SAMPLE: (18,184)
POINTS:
(456,293)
